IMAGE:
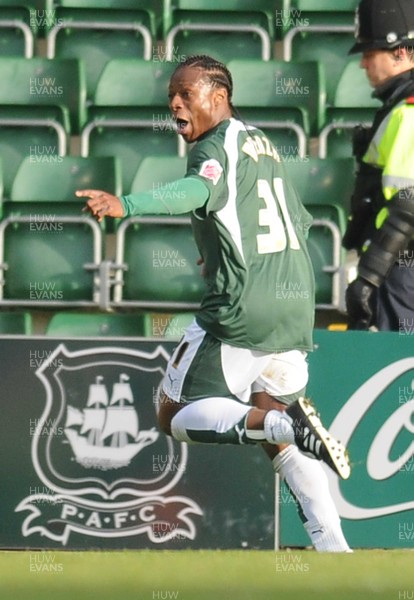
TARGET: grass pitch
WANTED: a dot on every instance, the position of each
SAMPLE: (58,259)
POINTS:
(206,575)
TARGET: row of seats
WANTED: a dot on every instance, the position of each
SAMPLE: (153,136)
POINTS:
(274,17)
(52,254)
(299,82)
(99,30)
(43,103)
(98,324)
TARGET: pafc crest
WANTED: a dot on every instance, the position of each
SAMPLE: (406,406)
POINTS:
(105,469)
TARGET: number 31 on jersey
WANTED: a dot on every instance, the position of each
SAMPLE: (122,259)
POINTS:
(275,240)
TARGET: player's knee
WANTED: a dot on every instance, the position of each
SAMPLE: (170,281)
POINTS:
(164,424)
(167,411)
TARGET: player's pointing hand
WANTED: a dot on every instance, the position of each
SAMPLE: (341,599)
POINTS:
(101,204)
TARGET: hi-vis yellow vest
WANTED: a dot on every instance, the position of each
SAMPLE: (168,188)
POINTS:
(392,151)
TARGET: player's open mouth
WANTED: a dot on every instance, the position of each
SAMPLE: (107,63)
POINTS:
(181,125)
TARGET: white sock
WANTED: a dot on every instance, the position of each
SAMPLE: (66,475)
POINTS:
(211,420)
(307,480)
(222,420)
(278,428)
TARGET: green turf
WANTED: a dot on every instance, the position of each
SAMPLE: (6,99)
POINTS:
(206,575)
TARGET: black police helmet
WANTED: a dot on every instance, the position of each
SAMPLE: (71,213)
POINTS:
(383,24)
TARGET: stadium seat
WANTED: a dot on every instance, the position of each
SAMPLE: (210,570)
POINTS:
(48,261)
(322,182)
(297,88)
(15,323)
(131,121)
(35,182)
(353,88)
(324,246)
(319,30)
(1,188)
(51,252)
(18,30)
(156,265)
(325,187)
(225,29)
(34,131)
(134,82)
(46,83)
(324,6)
(130,140)
(34,188)
(168,325)
(76,324)
(352,105)
(42,13)
(97,31)
(155,171)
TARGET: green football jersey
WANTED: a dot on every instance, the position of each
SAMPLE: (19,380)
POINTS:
(251,234)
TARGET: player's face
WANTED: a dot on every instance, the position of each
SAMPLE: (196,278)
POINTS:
(196,105)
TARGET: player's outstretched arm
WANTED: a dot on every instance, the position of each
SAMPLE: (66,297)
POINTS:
(101,204)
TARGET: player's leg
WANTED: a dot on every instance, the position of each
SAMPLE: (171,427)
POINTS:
(286,378)
(206,391)
(211,382)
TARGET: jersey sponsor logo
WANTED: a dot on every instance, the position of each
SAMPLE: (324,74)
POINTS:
(104,468)
(211,169)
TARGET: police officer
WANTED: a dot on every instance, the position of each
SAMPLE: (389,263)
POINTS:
(381,225)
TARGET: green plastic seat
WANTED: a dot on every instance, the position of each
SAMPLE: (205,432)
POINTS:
(130,141)
(169,325)
(299,15)
(327,182)
(45,83)
(352,105)
(36,181)
(327,271)
(130,144)
(224,29)
(42,13)
(15,323)
(322,6)
(1,188)
(97,31)
(336,137)
(134,82)
(34,131)
(157,265)
(49,261)
(155,171)
(353,89)
(178,324)
(325,187)
(131,121)
(77,324)
(80,324)
(51,251)
(297,87)
(34,189)
(322,37)
(18,30)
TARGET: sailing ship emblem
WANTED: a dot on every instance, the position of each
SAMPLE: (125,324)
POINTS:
(103,404)
(105,434)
